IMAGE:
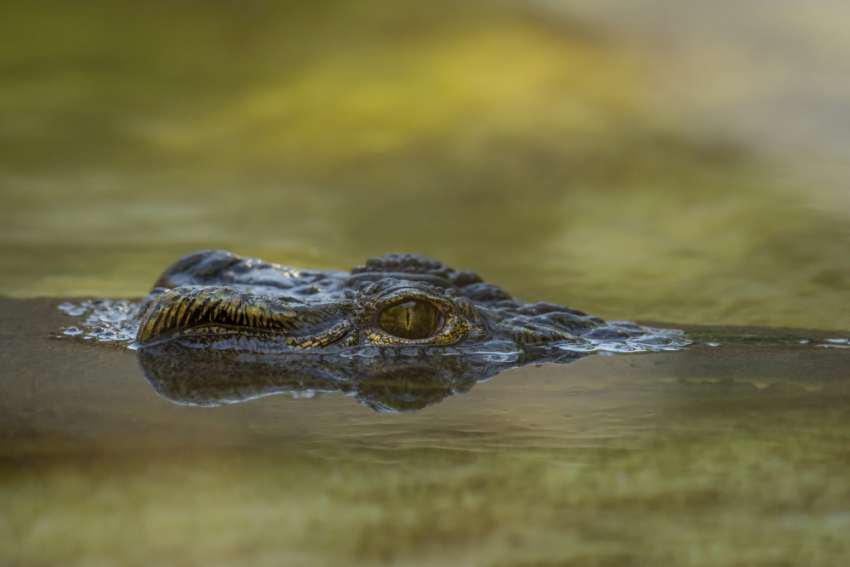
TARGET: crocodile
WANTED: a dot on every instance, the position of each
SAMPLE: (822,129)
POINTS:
(221,300)
(400,332)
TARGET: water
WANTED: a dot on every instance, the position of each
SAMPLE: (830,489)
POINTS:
(654,162)
(695,457)
(622,171)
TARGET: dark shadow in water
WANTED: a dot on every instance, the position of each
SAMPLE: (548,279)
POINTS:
(387,380)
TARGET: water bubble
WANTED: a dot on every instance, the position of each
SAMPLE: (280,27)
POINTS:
(106,320)
(632,338)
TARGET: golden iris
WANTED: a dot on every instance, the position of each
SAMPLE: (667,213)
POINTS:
(413,319)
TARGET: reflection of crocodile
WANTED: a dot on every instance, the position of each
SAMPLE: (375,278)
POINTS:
(401,332)
(385,381)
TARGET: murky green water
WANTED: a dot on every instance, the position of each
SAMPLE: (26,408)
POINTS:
(654,162)
(729,455)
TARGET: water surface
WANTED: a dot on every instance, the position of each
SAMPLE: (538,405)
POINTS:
(655,161)
(726,455)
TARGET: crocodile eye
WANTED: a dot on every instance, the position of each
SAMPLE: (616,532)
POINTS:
(414,319)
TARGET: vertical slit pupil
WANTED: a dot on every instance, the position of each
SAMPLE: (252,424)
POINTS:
(413,319)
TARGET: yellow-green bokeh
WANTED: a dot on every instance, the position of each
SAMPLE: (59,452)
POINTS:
(496,137)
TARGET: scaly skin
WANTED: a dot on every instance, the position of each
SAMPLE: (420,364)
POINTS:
(218,299)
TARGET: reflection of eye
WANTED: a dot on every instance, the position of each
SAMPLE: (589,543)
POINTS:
(414,319)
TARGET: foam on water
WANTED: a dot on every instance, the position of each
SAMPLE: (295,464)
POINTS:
(106,320)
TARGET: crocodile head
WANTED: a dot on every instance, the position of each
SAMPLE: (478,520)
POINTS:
(388,312)
(226,302)
(399,333)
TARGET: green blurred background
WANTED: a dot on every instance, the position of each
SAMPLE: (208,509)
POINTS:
(649,161)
